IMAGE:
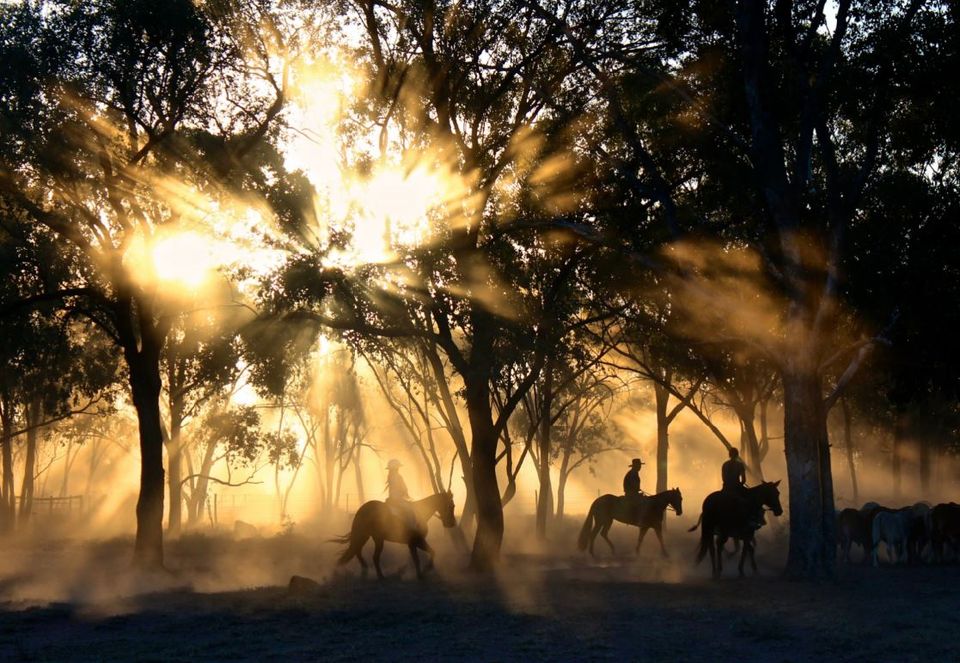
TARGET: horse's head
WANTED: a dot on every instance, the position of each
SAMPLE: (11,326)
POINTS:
(675,500)
(445,509)
(770,496)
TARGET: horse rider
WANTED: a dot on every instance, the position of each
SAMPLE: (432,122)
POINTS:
(733,472)
(631,482)
(398,497)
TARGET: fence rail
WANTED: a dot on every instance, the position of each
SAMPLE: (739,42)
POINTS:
(66,504)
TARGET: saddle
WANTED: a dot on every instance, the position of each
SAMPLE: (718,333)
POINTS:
(404,513)
(637,503)
(738,493)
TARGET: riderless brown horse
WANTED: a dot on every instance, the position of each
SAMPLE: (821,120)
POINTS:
(377,520)
(643,511)
(727,515)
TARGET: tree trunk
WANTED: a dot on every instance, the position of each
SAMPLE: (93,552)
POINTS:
(661,400)
(812,518)
(326,479)
(483,456)
(175,461)
(848,444)
(764,442)
(545,501)
(470,500)
(899,434)
(562,483)
(30,464)
(145,384)
(358,473)
(750,444)
(198,497)
(7,493)
(456,433)
(923,441)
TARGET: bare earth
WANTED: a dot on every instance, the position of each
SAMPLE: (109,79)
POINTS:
(80,601)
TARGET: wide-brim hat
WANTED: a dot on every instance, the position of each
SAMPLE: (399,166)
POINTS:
(635,462)
(394,463)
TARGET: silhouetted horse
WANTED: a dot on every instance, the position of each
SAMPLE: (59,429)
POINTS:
(945,529)
(893,528)
(726,515)
(852,528)
(644,511)
(376,520)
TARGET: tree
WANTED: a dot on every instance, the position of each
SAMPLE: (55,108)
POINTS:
(106,151)
(583,426)
(804,112)
(52,366)
(199,361)
(486,96)
(234,436)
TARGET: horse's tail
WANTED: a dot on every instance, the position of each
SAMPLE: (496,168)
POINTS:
(584,539)
(706,539)
(348,553)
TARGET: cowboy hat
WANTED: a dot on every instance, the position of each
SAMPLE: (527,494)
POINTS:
(635,462)
(394,463)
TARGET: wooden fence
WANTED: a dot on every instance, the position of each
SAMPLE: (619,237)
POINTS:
(51,505)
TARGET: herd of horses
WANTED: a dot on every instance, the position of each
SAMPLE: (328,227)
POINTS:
(726,515)
(912,534)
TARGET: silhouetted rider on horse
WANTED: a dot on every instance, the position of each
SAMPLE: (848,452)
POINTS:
(631,484)
(631,480)
(398,497)
(734,475)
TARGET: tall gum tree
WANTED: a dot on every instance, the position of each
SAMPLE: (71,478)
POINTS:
(799,100)
(489,92)
(101,148)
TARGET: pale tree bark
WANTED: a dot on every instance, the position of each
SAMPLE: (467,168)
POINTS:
(545,499)
(34,415)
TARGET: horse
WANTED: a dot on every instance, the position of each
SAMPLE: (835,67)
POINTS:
(645,512)
(728,515)
(918,530)
(893,528)
(377,520)
(852,528)
(944,529)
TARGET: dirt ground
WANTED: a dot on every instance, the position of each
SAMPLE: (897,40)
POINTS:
(228,599)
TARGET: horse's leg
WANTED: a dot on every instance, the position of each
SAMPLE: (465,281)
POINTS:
(363,562)
(603,533)
(593,536)
(753,555)
(743,557)
(710,547)
(423,545)
(377,551)
(416,558)
(643,533)
(663,548)
(721,542)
